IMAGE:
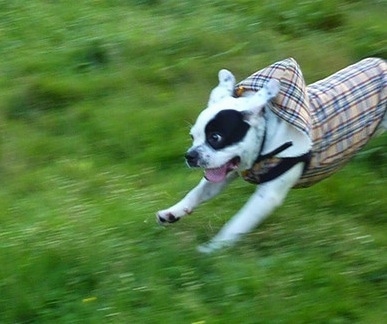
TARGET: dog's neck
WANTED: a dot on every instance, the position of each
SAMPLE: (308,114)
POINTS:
(269,135)
(257,137)
(272,143)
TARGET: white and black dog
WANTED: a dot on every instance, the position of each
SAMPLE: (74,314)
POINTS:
(234,132)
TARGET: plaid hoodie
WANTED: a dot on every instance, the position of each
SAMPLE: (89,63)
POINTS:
(336,116)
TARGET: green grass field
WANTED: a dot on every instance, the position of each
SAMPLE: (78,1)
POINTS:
(97,97)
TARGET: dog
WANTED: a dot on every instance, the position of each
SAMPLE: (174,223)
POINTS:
(273,130)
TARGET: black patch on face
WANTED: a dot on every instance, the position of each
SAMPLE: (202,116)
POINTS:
(226,128)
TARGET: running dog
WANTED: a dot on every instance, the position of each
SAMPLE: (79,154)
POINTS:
(273,130)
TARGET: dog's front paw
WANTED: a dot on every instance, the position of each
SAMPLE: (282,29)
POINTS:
(165,217)
(171,215)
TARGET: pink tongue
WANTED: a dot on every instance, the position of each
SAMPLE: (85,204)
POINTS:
(217,174)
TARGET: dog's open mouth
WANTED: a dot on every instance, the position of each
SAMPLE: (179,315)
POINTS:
(219,174)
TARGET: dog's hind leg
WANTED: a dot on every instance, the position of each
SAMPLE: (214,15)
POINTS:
(260,205)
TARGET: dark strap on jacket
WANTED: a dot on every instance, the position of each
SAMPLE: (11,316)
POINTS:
(285,165)
(278,150)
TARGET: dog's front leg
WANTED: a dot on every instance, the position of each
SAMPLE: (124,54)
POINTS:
(260,205)
(204,191)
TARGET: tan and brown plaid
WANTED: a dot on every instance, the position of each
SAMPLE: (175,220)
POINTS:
(338,114)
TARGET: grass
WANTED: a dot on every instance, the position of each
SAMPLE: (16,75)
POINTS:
(96,101)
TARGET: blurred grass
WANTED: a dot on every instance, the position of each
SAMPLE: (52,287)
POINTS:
(96,102)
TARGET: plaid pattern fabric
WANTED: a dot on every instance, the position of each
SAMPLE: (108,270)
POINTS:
(339,114)
(291,104)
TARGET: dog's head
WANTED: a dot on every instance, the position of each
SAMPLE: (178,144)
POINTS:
(227,135)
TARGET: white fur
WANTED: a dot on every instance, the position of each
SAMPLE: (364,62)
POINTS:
(267,196)
(224,88)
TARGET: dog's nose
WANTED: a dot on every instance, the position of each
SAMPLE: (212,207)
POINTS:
(192,157)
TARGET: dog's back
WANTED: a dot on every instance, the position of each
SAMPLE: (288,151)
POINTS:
(346,108)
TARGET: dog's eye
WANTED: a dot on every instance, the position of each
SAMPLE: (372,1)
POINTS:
(215,137)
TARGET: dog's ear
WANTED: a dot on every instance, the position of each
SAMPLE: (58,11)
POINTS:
(225,87)
(257,102)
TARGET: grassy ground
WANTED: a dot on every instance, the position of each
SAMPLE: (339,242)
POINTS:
(96,101)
